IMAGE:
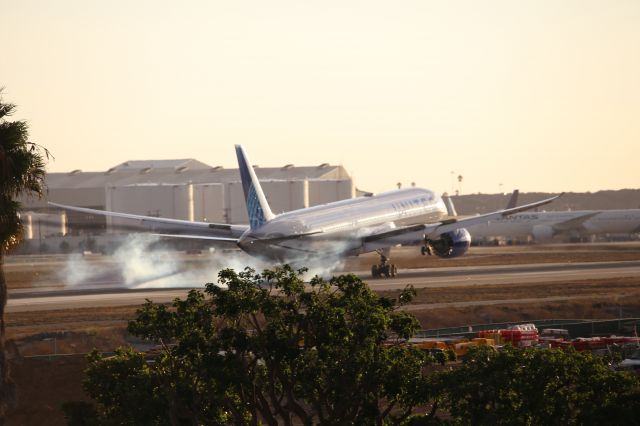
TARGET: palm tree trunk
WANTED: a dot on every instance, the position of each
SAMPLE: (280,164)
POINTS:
(7,387)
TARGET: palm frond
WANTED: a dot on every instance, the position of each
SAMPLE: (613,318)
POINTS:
(22,171)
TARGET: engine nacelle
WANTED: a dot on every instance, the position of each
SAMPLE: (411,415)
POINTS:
(542,233)
(451,244)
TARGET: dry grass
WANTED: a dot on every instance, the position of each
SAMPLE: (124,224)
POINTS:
(626,287)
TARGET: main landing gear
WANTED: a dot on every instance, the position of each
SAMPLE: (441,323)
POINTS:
(426,249)
(384,268)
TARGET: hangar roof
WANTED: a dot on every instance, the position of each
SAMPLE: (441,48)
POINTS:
(138,165)
(183,171)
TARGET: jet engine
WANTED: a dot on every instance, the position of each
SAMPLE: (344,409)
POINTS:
(451,244)
(542,233)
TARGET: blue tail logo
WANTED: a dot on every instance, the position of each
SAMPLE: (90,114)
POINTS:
(257,207)
(256,215)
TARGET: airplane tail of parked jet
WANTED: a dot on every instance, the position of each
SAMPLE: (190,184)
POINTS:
(257,206)
(513,201)
(451,209)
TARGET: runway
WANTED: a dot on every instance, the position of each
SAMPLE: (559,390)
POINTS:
(44,300)
(507,274)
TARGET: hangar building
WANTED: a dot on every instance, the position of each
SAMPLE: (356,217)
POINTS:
(182,189)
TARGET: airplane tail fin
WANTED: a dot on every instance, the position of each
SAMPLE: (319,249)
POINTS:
(451,209)
(513,200)
(257,206)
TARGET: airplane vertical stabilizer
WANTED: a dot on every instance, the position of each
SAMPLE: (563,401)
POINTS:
(451,209)
(257,206)
(513,200)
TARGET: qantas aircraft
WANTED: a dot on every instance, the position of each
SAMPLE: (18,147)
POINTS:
(350,227)
(545,226)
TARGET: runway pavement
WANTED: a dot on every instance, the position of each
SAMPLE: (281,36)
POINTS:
(79,297)
(507,274)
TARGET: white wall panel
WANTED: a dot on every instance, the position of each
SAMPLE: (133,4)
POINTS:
(326,191)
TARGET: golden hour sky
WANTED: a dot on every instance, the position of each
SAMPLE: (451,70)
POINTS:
(536,95)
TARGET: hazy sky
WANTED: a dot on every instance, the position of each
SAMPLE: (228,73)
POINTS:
(536,95)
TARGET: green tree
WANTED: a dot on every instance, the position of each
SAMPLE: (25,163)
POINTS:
(21,172)
(267,348)
(539,386)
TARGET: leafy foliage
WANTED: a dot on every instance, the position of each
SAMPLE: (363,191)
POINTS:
(266,347)
(21,172)
(536,386)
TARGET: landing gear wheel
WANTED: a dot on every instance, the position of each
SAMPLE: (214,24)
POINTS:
(375,273)
(384,267)
(386,270)
(423,250)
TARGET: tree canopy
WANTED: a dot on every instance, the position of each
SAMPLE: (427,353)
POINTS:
(267,348)
(21,172)
(538,386)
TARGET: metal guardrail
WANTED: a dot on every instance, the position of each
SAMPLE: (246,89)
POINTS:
(576,328)
(57,355)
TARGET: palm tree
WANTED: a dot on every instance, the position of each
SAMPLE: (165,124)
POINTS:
(21,172)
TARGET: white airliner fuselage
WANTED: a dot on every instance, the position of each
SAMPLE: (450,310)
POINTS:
(338,228)
(544,226)
(375,223)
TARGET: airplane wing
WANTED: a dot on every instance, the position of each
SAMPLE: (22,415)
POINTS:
(442,227)
(173,227)
(198,237)
(575,223)
(416,233)
(451,209)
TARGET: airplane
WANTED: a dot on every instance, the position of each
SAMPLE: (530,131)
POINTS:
(374,223)
(545,226)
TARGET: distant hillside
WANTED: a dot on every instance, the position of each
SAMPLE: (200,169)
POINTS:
(601,200)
